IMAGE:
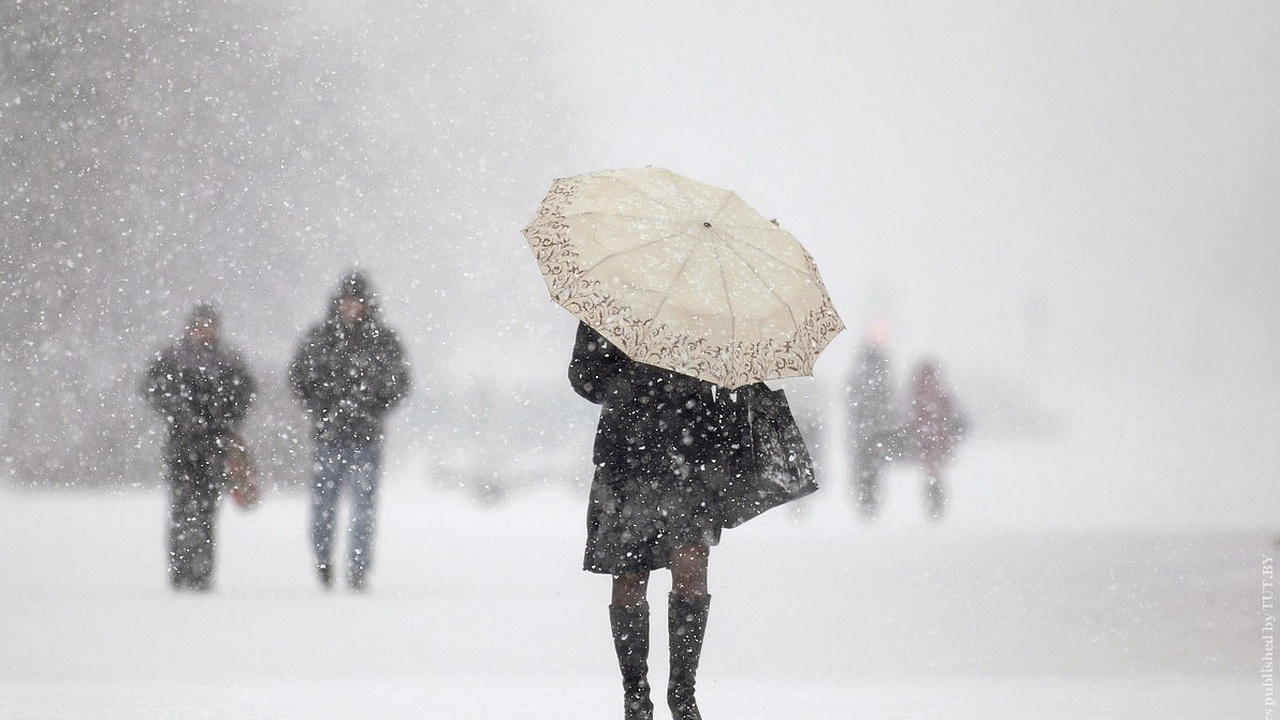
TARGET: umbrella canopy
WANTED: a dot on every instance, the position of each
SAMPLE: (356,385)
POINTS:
(682,275)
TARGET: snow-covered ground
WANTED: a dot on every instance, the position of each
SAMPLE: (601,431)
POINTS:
(481,612)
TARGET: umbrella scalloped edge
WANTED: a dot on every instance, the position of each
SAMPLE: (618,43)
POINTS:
(730,365)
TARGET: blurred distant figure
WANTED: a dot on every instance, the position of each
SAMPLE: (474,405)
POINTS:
(934,428)
(874,439)
(348,371)
(203,390)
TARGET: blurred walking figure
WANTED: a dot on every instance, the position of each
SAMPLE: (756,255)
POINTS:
(874,437)
(348,371)
(933,430)
(203,390)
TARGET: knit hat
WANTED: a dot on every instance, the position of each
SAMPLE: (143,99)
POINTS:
(354,285)
(204,314)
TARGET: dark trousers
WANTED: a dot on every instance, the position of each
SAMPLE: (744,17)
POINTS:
(868,463)
(194,483)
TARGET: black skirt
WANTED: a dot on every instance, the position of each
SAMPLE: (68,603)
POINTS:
(643,508)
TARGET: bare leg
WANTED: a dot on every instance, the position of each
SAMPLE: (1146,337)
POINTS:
(630,588)
(689,571)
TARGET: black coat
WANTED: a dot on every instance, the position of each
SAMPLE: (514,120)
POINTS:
(674,458)
(203,392)
(648,415)
(873,417)
(348,376)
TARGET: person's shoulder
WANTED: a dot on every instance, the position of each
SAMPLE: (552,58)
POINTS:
(233,356)
(165,357)
(314,334)
(384,333)
(172,353)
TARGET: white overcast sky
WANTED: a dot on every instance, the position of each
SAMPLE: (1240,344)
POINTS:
(1081,195)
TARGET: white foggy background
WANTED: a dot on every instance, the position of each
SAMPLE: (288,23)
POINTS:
(1073,207)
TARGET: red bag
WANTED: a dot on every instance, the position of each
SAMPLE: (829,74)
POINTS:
(241,475)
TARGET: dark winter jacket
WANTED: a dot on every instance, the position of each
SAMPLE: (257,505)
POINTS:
(348,376)
(648,415)
(203,391)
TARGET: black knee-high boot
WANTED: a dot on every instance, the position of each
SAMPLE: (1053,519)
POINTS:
(630,624)
(687,624)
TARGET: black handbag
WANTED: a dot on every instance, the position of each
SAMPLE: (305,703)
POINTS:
(771,466)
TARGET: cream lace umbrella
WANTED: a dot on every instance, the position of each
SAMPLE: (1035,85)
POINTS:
(683,276)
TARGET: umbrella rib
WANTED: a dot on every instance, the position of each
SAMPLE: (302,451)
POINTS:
(748,228)
(581,213)
(790,310)
(727,197)
(645,193)
(765,251)
(666,294)
(728,298)
(633,248)
(688,199)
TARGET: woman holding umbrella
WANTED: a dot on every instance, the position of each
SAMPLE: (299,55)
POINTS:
(687,300)
(661,437)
